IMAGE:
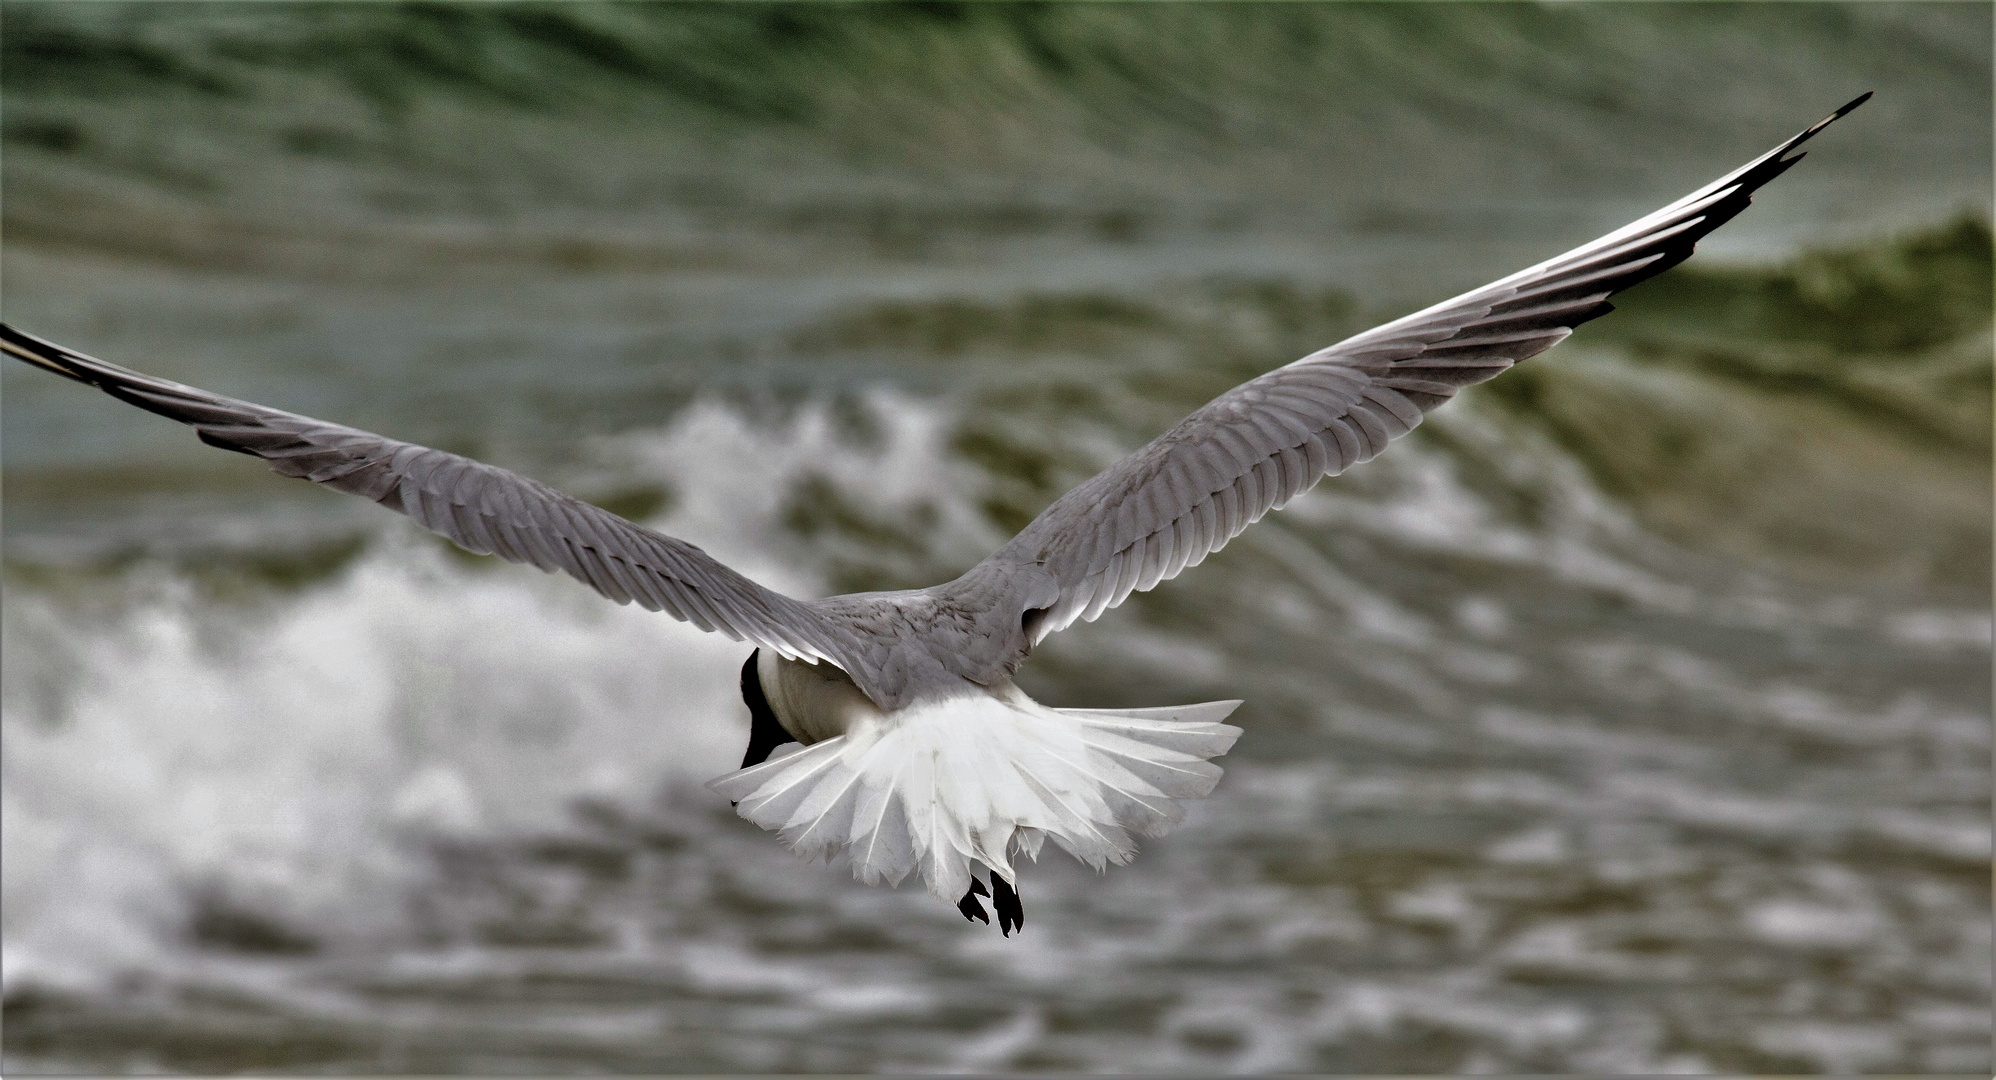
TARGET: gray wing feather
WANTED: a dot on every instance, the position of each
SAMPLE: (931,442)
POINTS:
(1252,449)
(481,508)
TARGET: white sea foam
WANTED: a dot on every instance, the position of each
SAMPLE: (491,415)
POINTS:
(284,764)
(290,759)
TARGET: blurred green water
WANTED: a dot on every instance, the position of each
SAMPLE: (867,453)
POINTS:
(901,122)
(1631,715)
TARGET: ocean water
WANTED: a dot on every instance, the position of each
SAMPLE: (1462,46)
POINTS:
(1632,715)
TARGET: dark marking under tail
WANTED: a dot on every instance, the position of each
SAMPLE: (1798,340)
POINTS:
(1011,913)
(765,734)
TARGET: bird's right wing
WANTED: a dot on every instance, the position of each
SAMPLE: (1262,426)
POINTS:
(480,507)
(1257,446)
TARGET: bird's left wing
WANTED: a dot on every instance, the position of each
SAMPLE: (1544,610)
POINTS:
(480,507)
(1257,446)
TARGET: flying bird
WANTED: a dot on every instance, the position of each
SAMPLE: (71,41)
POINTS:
(886,730)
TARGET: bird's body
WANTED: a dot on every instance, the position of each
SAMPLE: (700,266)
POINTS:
(952,784)
(915,750)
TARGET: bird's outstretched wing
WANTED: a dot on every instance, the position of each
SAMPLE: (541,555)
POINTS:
(1257,446)
(480,507)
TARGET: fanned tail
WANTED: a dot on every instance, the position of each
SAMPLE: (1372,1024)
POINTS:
(945,786)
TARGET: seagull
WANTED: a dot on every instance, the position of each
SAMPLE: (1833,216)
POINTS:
(886,732)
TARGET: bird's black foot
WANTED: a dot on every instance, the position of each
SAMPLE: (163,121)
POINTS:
(970,907)
(1011,913)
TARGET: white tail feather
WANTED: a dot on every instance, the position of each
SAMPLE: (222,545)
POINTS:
(944,786)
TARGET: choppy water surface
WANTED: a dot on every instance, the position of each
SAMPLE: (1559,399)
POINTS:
(1631,715)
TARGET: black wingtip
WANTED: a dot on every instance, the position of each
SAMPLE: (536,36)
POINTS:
(20,339)
(43,354)
(71,364)
(1835,116)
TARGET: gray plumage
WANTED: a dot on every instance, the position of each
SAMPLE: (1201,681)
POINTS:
(481,508)
(1142,521)
(1255,447)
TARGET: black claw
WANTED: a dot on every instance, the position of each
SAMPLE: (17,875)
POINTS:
(970,907)
(1011,913)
